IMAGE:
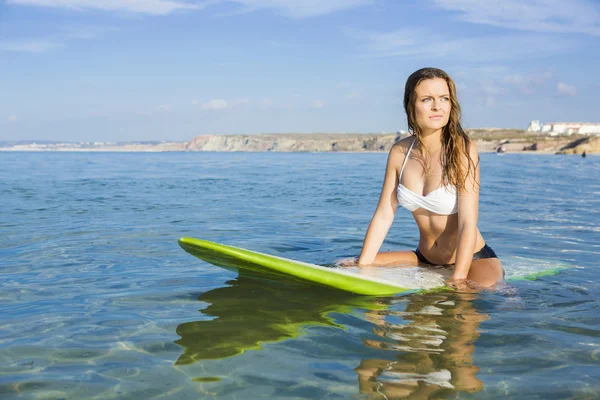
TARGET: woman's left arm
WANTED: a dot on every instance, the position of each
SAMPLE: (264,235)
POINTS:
(468,209)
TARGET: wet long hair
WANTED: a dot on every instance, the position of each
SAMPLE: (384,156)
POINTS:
(455,142)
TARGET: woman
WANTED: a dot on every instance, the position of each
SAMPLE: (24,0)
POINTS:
(434,173)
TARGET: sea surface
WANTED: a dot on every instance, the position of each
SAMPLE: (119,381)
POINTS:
(97,300)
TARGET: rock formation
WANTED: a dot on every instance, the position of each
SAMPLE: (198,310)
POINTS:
(590,145)
(487,140)
(294,142)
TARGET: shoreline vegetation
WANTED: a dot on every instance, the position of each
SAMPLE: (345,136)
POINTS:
(487,139)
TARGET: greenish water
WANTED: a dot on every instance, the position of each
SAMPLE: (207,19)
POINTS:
(97,300)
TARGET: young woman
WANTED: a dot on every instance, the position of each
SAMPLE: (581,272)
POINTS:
(434,173)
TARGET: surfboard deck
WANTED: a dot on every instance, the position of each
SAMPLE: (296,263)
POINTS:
(242,260)
(236,259)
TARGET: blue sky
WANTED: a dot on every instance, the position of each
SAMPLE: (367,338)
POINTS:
(107,70)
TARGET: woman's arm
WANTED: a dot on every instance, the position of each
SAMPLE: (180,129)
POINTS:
(386,209)
(468,209)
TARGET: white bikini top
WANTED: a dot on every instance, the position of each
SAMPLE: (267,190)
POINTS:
(443,200)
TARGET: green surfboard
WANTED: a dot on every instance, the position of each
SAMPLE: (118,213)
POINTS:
(241,260)
(236,259)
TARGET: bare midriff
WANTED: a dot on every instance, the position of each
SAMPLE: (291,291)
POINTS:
(439,236)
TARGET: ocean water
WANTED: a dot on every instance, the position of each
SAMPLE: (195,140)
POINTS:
(97,300)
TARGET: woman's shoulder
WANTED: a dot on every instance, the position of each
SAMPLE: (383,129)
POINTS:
(402,145)
(472,148)
(399,151)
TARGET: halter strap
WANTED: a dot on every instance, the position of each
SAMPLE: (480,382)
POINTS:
(406,158)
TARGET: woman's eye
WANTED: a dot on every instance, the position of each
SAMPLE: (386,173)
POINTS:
(427,99)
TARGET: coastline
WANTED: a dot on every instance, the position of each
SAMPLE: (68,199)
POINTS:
(489,140)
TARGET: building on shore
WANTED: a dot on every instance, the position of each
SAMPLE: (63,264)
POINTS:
(534,126)
(565,128)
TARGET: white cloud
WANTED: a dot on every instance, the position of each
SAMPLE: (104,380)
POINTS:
(221,104)
(574,16)
(55,40)
(496,82)
(401,41)
(493,90)
(526,83)
(290,8)
(300,8)
(30,46)
(12,118)
(265,103)
(427,44)
(317,104)
(215,104)
(567,90)
(153,7)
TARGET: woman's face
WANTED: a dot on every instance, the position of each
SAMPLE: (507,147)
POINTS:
(432,104)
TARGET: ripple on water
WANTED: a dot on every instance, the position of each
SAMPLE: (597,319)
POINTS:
(98,300)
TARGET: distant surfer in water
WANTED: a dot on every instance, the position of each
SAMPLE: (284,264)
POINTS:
(434,173)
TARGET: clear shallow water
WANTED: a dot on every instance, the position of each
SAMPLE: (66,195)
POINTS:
(98,301)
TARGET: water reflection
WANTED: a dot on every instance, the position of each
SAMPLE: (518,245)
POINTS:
(429,338)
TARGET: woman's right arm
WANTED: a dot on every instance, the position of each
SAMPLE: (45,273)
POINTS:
(386,209)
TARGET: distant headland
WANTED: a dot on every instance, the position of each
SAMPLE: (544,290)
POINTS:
(487,139)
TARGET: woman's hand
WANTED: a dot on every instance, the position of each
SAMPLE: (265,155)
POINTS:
(346,262)
(460,285)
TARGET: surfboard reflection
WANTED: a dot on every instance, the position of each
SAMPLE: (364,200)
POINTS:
(255,310)
(430,337)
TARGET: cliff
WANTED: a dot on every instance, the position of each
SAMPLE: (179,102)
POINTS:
(294,142)
(488,140)
(591,145)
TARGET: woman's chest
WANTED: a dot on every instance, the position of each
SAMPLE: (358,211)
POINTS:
(421,178)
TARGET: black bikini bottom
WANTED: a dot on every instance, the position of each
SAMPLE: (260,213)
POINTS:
(485,252)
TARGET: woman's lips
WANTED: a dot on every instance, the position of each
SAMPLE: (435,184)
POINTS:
(436,117)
